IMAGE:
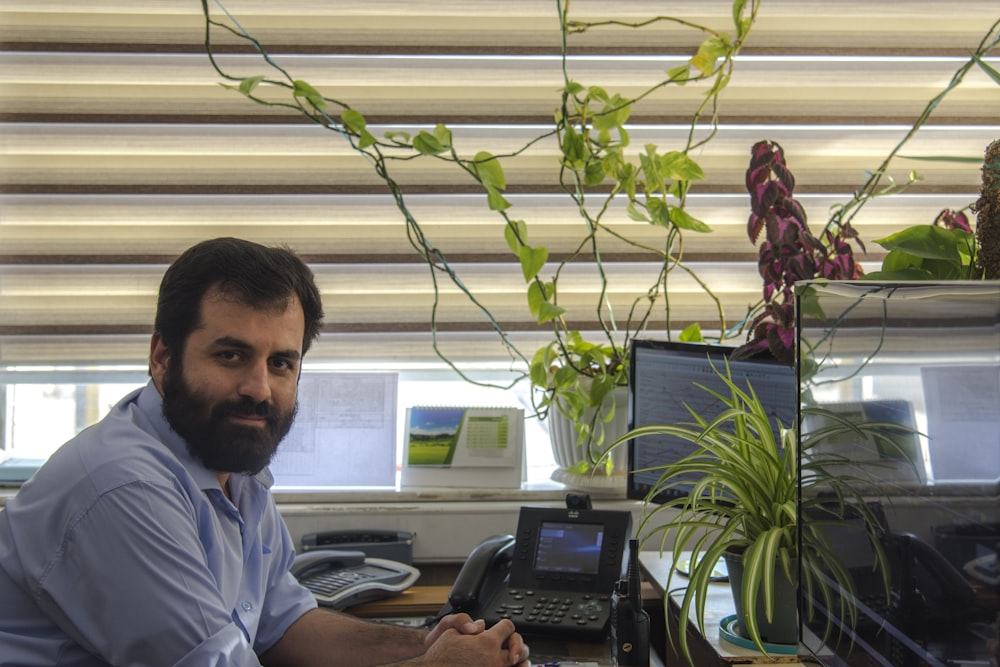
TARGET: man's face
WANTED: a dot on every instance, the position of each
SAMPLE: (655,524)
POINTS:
(232,393)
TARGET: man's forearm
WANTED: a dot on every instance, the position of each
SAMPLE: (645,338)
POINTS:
(321,637)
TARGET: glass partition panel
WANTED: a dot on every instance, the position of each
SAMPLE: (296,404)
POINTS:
(899,431)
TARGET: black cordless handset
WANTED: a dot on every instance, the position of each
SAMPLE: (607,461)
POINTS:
(629,622)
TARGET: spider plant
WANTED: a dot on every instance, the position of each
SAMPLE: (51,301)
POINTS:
(747,484)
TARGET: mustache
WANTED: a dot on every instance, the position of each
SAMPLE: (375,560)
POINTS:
(246,407)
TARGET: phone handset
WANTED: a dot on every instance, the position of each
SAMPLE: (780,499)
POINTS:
(486,567)
(311,562)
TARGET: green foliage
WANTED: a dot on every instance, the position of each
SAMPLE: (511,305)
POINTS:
(596,165)
(927,252)
(745,497)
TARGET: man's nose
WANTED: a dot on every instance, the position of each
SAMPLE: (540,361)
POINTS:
(255,383)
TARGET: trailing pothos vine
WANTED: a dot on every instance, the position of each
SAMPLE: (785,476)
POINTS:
(596,165)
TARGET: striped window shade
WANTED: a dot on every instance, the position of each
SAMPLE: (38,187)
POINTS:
(119,149)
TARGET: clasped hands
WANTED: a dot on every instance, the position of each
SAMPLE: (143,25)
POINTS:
(458,639)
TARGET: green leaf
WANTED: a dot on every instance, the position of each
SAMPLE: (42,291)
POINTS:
(398,137)
(994,74)
(677,166)
(572,147)
(614,115)
(539,305)
(366,139)
(495,200)
(899,260)
(680,75)
(353,120)
(626,180)
(598,93)
(636,214)
(708,53)
(488,170)
(356,123)
(659,211)
(249,84)
(691,334)
(565,377)
(928,241)
(516,235)
(650,164)
(685,220)
(593,173)
(536,297)
(532,260)
(427,143)
(312,96)
(548,312)
(940,158)
(600,387)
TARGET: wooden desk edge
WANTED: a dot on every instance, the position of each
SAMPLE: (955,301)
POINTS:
(428,600)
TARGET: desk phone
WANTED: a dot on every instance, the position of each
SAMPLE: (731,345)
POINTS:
(553,579)
(341,579)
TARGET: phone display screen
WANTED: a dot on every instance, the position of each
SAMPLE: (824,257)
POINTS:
(569,547)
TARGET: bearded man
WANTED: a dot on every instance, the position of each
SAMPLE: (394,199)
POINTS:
(152,538)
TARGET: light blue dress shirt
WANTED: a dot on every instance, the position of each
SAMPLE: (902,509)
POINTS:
(124,550)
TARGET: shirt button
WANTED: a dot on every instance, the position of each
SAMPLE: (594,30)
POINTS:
(246,606)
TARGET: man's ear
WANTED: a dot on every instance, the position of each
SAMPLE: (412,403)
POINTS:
(159,357)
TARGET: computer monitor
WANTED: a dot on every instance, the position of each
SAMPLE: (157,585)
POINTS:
(663,383)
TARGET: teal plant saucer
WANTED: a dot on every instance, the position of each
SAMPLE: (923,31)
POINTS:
(727,630)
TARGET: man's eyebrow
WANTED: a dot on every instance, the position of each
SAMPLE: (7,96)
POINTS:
(291,355)
(232,341)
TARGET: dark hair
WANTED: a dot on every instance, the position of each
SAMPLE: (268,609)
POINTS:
(259,276)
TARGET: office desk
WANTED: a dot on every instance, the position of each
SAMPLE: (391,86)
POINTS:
(424,601)
(414,601)
(709,649)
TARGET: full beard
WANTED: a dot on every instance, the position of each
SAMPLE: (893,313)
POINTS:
(210,436)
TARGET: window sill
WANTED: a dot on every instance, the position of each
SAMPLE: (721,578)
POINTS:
(534,491)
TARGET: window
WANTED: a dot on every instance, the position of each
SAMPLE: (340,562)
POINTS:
(40,417)
(118,149)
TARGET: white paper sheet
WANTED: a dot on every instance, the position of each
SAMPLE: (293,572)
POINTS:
(344,432)
(963,425)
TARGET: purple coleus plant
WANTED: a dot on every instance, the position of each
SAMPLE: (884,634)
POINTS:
(788,252)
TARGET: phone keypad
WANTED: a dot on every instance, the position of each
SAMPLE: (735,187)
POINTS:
(329,583)
(530,609)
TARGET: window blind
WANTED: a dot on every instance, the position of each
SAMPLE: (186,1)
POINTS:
(119,149)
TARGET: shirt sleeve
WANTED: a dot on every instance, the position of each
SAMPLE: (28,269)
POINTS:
(286,599)
(131,584)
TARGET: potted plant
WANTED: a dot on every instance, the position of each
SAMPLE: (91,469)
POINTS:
(578,373)
(744,506)
(947,249)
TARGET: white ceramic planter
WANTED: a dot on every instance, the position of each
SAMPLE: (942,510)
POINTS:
(568,453)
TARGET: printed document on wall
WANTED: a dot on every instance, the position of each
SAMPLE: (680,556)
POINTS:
(344,433)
